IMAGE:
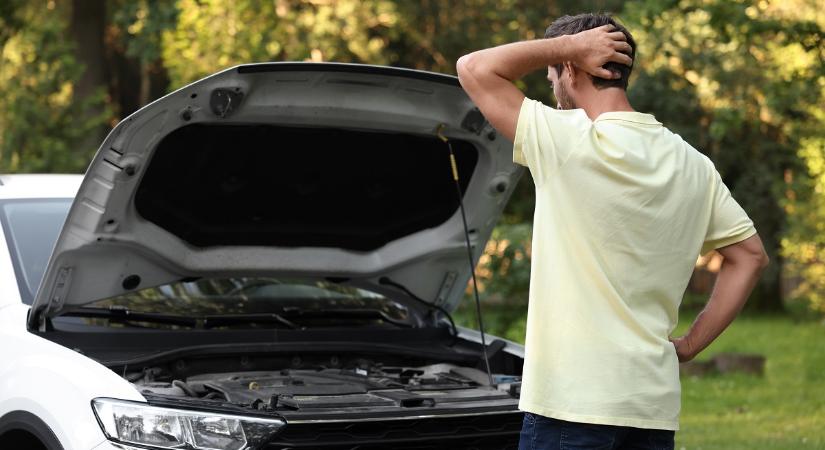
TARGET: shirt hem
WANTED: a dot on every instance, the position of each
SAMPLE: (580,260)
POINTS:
(601,420)
(735,239)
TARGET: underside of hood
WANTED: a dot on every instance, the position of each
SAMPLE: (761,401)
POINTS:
(299,169)
(299,187)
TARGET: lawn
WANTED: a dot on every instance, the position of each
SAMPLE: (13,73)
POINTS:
(784,409)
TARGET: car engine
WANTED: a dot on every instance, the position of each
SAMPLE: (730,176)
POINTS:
(361,405)
(371,385)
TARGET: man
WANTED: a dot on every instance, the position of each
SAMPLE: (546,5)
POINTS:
(623,208)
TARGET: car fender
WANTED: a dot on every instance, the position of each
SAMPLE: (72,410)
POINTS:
(54,383)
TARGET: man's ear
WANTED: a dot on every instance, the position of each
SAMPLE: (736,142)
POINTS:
(570,70)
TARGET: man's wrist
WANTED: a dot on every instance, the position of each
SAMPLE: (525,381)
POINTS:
(572,47)
(564,48)
(690,346)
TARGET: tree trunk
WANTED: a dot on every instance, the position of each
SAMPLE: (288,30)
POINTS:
(145,83)
(86,27)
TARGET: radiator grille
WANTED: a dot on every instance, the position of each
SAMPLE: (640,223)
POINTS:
(494,431)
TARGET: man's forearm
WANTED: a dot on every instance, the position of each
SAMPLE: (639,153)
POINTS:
(734,284)
(487,75)
(513,61)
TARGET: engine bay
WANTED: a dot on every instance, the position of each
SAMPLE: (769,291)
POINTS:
(361,386)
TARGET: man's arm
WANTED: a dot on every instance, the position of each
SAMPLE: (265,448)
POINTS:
(488,75)
(741,268)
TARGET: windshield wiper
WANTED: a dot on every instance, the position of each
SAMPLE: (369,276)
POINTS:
(349,313)
(123,315)
(126,316)
(219,320)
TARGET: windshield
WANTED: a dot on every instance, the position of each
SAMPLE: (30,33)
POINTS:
(31,228)
(309,302)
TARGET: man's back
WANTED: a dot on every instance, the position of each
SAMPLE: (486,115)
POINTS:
(623,208)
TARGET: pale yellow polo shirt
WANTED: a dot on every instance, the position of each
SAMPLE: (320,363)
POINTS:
(623,209)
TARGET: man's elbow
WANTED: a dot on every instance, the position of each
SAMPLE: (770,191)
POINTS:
(749,254)
(759,260)
(466,65)
(475,65)
(763,260)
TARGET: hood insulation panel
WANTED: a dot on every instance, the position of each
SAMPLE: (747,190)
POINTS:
(270,185)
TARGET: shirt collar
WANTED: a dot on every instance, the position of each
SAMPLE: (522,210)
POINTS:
(628,116)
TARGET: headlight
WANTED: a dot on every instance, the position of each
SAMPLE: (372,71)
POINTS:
(138,423)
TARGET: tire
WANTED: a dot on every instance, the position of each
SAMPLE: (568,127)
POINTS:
(24,430)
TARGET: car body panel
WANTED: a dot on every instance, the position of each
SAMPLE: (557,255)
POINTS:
(39,186)
(53,382)
(106,241)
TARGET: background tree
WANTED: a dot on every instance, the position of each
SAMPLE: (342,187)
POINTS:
(44,121)
(221,33)
(134,50)
(742,80)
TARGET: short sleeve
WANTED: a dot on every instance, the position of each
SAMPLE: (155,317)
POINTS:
(729,223)
(545,137)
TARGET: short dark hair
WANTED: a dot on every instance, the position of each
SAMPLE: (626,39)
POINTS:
(581,22)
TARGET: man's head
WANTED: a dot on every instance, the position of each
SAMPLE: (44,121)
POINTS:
(563,88)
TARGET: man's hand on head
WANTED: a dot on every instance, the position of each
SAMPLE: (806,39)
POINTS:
(487,75)
(594,48)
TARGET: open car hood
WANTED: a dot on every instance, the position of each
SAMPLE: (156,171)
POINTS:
(300,169)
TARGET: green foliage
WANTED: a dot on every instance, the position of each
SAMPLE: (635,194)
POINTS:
(215,34)
(10,20)
(139,25)
(743,81)
(39,115)
(503,275)
(804,244)
(740,81)
(504,269)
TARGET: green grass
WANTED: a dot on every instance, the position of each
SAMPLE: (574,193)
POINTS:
(784,409)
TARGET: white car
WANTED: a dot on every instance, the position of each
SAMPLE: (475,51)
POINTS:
(263,259)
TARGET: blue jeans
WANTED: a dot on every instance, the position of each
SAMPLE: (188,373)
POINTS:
(545,433)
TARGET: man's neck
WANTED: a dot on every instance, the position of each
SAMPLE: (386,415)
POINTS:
(600,101)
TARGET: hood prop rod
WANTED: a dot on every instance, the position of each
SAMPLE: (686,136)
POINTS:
(440,134)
